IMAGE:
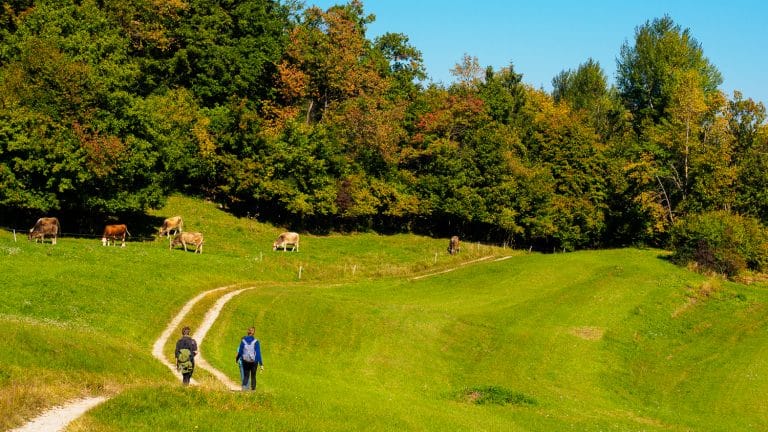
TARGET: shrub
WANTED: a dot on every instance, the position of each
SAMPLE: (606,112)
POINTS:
(720,242)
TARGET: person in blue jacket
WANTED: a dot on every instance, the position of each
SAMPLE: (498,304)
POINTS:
(249,352)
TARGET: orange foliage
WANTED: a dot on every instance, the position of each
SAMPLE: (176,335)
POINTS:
(103,152)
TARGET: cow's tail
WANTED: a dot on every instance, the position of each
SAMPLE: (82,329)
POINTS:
(127,232)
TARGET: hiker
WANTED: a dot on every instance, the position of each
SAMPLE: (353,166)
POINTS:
(186,349)
(249,352)
(244,379)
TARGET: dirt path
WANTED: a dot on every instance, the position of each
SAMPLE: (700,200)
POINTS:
(157,348)
(58,418)
(452,268)
(208,320)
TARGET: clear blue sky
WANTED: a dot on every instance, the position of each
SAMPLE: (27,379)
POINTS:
(543,38)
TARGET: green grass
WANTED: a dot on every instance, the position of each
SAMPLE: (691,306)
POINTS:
(617,340)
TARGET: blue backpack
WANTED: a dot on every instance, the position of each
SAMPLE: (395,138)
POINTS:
(249,351)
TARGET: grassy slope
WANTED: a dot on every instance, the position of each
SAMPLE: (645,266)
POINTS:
(609,340)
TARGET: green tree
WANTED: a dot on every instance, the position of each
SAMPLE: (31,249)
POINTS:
(224,49)
(583,88)
(67,143)
(648,70)
(746,123)
(402,62)
(569,154)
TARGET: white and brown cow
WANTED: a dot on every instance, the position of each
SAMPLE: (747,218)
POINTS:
(188,238)
(454,245)
(175,224)
(287,239)
(45,226)
(114,232)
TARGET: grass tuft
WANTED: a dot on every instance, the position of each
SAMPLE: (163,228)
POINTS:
(496,395)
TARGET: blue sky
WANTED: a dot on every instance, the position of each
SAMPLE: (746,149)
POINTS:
(543,38)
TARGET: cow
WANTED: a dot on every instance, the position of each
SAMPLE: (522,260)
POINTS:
(454,245)
(185,238)
(175,224)
(45,226)
(285,239)
(113,232)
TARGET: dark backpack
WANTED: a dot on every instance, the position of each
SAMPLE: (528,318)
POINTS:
(184,361)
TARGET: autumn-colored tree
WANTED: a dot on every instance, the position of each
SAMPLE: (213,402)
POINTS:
(328,60)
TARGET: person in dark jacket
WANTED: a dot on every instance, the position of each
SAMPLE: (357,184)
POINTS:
(186,342)
(249,352)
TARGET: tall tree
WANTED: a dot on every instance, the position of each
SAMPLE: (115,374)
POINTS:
(647,71)
(227,49)
(583,88)
(746,122)
(328,60)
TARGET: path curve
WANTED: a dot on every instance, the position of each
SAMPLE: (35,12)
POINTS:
(57,418)
(210,318)
(157,348)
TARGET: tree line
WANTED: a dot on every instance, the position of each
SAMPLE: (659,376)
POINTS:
(293,115)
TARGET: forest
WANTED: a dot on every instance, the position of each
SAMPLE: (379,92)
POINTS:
(293,115)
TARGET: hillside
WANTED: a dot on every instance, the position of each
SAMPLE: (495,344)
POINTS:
(601,340)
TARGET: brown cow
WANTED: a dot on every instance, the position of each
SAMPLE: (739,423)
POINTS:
(113,232)
(454,245)
(192,238)
(285,239)
(46,226)
(175,224)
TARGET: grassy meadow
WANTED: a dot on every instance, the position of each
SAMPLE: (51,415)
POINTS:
(614,340)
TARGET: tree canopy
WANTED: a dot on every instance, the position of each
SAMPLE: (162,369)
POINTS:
(296,116)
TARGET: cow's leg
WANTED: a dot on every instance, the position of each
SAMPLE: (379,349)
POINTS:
(54,239)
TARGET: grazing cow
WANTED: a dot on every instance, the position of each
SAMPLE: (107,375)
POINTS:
(285,239)
(191,238)
(175,224)
(454,245)
(47,226)
(113,232)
